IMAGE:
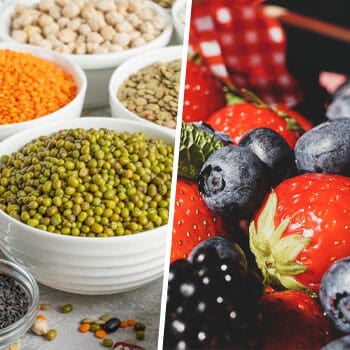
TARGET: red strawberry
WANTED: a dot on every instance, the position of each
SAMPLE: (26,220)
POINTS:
(302,227)
(193,221)
(203,93)
(301,120)
(293,320)
(237,119)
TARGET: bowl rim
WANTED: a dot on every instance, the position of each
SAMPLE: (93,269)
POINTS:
(13,331)
(178,25)
(139,61)
(58,60)
(98,61)
(153,233)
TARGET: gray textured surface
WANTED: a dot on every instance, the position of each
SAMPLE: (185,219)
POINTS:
(142,304)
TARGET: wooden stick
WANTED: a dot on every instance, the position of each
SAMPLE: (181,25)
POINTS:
(311,24)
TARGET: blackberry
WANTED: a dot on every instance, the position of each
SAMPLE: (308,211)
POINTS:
(213,300)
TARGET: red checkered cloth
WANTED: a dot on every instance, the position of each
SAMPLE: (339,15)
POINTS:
(243,47)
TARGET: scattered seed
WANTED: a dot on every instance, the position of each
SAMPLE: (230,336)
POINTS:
(140,335)
(84,327)
(107,342)
(45,307)
(94,327)
(51,334)
(139,326)
(86,320)
(106,317)
(67,308)
(112,325)
(100,333)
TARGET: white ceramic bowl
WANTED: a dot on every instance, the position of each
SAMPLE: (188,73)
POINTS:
(98,68)
(178,12)
(71,110)
(133,65)
(84,265)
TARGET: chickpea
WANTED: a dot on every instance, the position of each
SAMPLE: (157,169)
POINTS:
(45,44)
(35,38)
(55,12)
(94,37)
(115,48)
(137,42)
(46,5)
(62,3)
(100,50)
(108,33)
(45,20)
(84,29)
(122,39)
(91,47)
(125,27)
(113,18)
(80,48)
(105,5)
(147,14)
(147,27)
(70,10)
(32,30)
(96,22)
(67,35)
(88,11)
(80,39)
(74,24)
(159,23)
(63,22)
(20,36)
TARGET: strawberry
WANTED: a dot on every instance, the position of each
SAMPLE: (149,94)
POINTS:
(193,221)
(293,320)
(239,118)
(203,93)
(302,227)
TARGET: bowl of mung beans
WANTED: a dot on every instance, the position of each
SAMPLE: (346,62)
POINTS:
(37,86)
(145,88)
(84,207)
(97,35)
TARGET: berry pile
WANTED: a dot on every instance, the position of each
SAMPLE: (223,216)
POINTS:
(260,249)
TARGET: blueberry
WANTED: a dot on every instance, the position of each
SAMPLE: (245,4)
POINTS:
(273,150)
(335,294)
(325,148)
(220,136)
(339,108)
(342,343)
(233,182)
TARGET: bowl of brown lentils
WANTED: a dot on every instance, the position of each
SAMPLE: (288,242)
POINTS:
(145,88)
(84,207)
(98,35)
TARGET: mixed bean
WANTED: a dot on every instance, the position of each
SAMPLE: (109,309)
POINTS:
(152,92)
(31,87)
(87,26)
(88,183)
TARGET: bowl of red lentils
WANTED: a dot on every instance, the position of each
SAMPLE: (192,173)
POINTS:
(84,205)
(97,35)
(37,86)
(145,88)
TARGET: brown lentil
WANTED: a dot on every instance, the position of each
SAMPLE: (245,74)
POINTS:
(152,92)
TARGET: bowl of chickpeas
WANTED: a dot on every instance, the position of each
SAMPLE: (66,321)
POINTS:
(84,206)
(97,35)
(37,86)
(146,88)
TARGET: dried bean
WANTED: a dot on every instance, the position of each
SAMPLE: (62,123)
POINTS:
(152,92)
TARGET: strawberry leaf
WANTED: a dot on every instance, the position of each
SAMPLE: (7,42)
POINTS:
(195,147)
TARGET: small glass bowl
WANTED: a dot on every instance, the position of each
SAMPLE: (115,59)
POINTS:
(16,330)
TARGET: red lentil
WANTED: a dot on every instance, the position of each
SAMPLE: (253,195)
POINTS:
(84,327)
(31,87)
(100,334)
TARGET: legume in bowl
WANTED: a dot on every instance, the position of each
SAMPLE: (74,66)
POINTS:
(37,86)
(146,88)
(84,207)
(97,35)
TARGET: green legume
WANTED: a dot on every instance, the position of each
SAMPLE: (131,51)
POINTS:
(107,342)
(91,183)
(51,334)
(67,308)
